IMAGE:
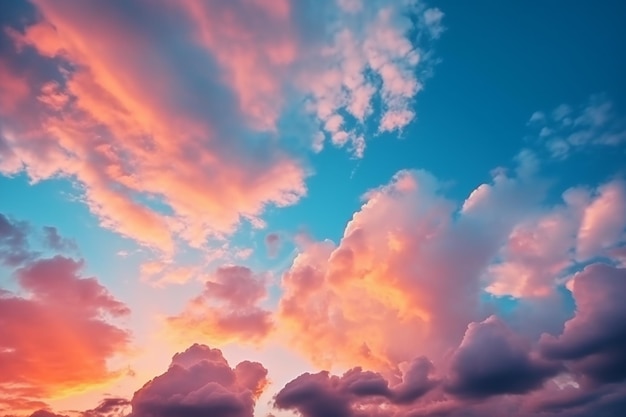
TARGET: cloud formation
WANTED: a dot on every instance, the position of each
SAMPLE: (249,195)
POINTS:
(594,340)
(187,114)
(377,295)
(409,250)
(56,331)
(273,243)
(227,310)
(371,58)
(322,394)
(493,360)
(200,382)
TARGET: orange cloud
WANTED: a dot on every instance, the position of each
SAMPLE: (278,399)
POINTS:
(200,381)
(55,341)
(375,299)
(247,34)
(227,310)
(56,333)
(411,268)
(13,88)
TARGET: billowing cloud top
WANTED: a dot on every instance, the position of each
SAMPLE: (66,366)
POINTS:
(200,382)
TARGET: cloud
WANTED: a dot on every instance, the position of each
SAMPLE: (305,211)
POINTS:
(322,394)
(604,221)
(200,382)
(57,334)
(179,143)
(109,407)
(376,298)
(64,317)
(227,310)
(372,57)
(588,223)
(595,338)
(539,249)
(568,130)
(493,360)
(119,133)
(13,241)
(273,244)
(432,20)
(242,35)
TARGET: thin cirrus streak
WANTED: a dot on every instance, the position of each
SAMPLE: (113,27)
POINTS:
(258,208)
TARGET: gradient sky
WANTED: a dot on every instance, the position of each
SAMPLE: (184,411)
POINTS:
(308,208)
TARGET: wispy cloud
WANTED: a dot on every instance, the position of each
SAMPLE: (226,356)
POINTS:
(187,114)
(568,129)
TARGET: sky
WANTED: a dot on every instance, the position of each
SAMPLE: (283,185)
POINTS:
(338,208)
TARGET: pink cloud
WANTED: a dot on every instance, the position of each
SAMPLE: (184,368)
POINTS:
(538,250)
(604,221)
(57,334)
(227,310)
(541,248)
(409,250)
(273,244)
(119,133)
(244,35)
(370,57)
(177,143)
(361,301)
(322,394)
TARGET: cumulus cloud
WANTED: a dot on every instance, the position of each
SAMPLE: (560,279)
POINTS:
(493,360)
(594,340)
(56,330)
(120,134)
(322,394)
(199,382)
(539,248)
(376,296)
(372,57)
(587,223)
(604,221)
(13,241)
(273,244)
(382,295)
(227,310)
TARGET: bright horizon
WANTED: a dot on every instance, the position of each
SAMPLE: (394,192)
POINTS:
(340,208)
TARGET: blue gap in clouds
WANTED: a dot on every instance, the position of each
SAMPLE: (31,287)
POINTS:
(53,202)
